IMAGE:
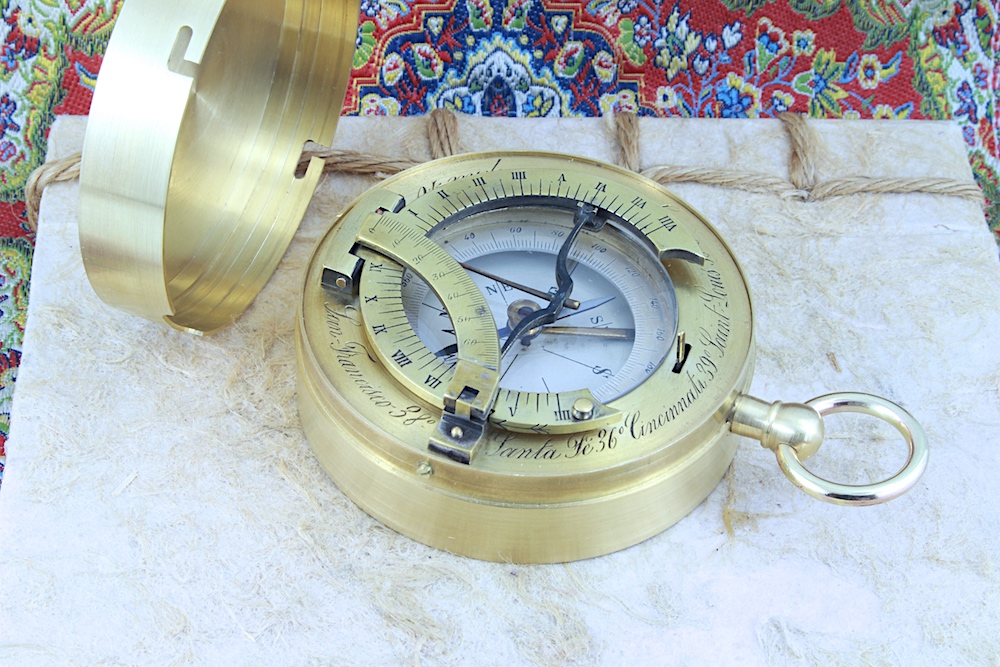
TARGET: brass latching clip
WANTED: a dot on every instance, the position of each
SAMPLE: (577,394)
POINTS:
(467,405)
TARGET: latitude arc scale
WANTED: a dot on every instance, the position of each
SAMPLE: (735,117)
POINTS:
(531,357)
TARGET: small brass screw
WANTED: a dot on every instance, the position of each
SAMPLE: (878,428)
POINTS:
(583,409)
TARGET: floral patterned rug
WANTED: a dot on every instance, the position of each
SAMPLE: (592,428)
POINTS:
(891,59)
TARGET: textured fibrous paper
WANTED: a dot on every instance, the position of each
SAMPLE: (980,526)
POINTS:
(161,505)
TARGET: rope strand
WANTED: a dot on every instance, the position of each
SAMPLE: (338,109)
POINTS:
(841,187)
(805,146)
(353,162)
(66,169)
(442,133)
(627,135)
(727,178)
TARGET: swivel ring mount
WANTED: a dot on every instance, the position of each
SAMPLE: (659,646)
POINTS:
(794,432)
(188,193)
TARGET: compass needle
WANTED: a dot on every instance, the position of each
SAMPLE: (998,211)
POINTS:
(585,215)
(569,303)
(606,333)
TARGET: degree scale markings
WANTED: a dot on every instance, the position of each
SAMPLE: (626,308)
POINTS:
(438,204)
(666,230)
(402,237)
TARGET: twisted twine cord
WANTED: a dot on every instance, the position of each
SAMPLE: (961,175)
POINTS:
(840,187)
(354,162)
(805,146)
(627,136)
(442,132)
(727,178)
(804,186)
(66,169)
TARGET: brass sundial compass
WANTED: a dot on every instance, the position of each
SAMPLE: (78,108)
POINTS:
(536,357)
(512,356)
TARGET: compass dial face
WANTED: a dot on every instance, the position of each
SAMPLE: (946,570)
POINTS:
(616,332)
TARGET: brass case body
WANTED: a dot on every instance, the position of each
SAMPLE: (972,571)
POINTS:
(527,497)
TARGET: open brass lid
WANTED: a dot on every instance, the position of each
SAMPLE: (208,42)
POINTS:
(188,192)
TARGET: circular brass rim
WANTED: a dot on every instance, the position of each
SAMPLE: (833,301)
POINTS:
(188,192)
(864,494)
(370,434)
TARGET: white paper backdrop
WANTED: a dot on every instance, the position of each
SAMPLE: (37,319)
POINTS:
(161,505)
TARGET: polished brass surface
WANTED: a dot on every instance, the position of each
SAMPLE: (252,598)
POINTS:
(189,197)
(790,459)
(441,447)
(588,477)
(793,424)
(188,194)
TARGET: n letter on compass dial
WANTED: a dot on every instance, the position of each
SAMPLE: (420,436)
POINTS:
(616,329)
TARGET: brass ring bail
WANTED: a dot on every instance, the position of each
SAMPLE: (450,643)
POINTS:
(794,432)
(862,494)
